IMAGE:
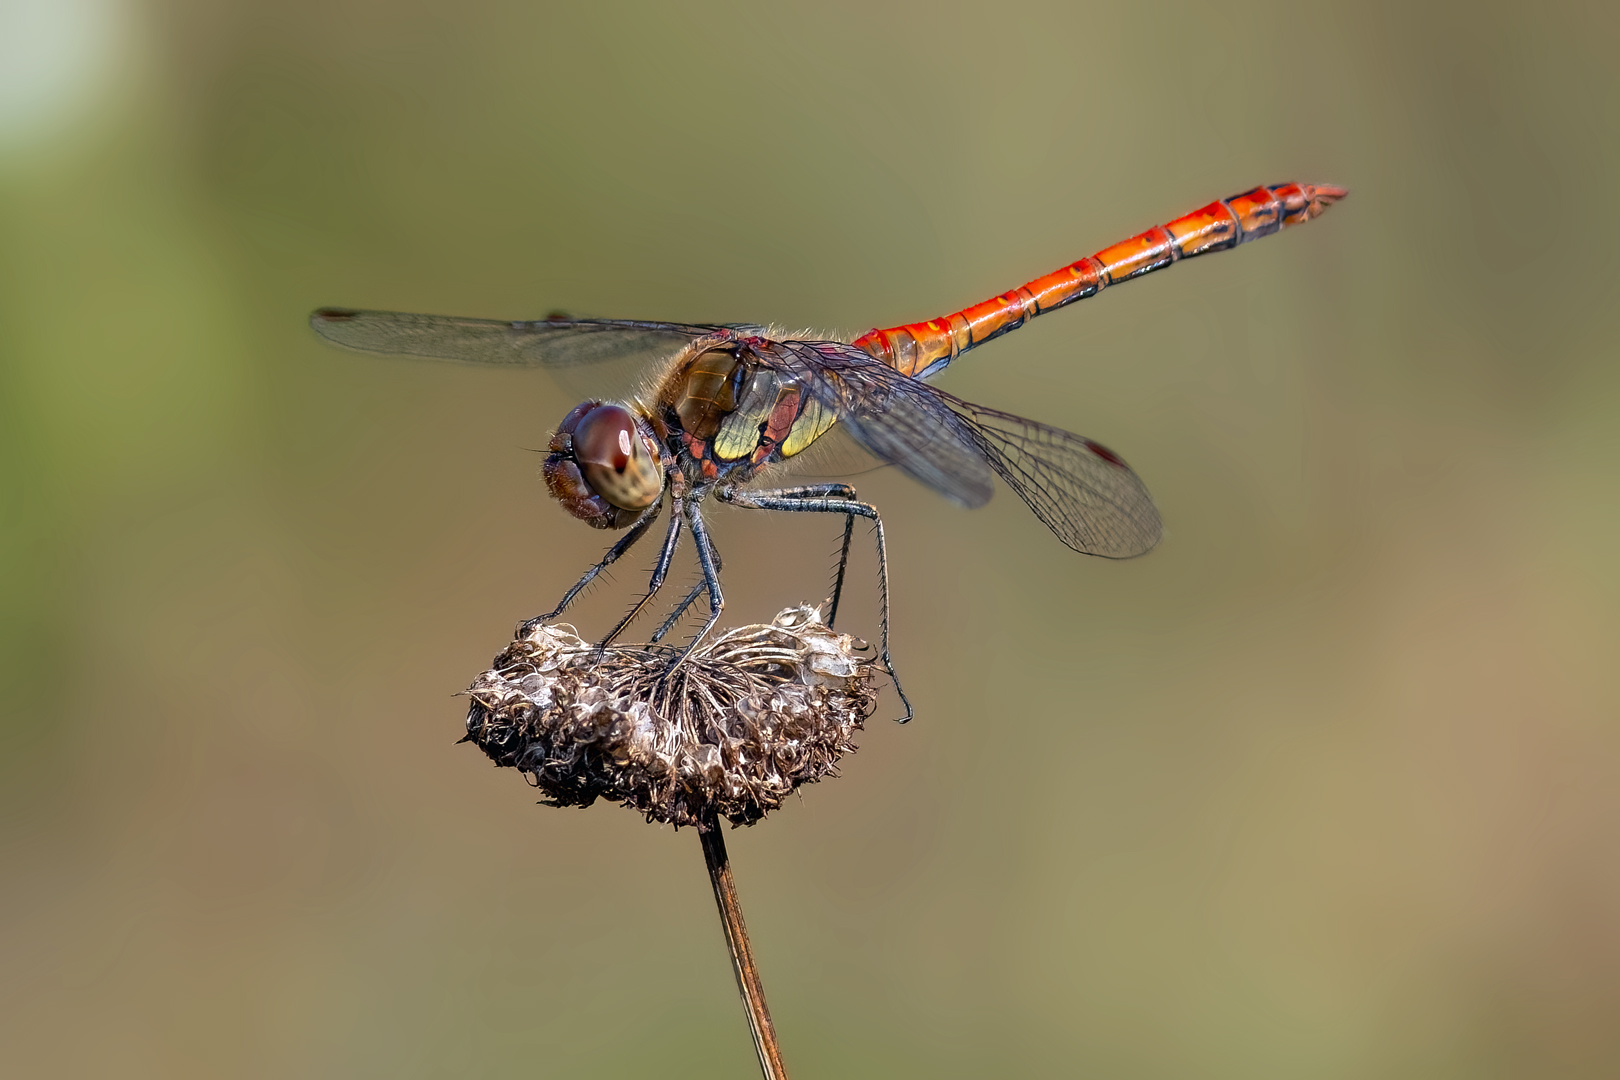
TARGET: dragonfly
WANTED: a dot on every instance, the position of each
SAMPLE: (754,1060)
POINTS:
(728,401)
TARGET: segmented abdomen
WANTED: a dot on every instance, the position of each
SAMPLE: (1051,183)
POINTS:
(922,349)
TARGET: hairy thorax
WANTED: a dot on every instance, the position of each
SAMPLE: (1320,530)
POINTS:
(731,415)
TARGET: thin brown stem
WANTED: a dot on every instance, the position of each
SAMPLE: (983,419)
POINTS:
(742,955)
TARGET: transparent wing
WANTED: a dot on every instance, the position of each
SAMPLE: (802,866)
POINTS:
(1081,490)
(553,342)
(897,419)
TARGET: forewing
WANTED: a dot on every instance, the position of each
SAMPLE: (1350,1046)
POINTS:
(552,343)
(1081,490)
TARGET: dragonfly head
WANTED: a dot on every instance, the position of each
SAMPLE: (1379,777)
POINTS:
(605,465)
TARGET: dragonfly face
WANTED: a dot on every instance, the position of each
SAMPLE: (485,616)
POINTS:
(606,465)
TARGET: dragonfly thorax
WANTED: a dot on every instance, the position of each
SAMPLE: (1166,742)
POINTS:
(708,391)
(605,465)
(734,405)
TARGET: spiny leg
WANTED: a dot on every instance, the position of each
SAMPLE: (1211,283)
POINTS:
(624,544)
(813,501)
(691,598)
(710,562)
(843,563)
(660,571)
(838,490)
(820,491)
(680,609)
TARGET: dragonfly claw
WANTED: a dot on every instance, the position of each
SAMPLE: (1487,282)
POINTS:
(529,626)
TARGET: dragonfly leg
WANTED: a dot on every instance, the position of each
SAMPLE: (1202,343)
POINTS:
(680,609)
(624,544)
(822,491)
(839,490)
(835,499)
(843,564)
(709,560)
(660,570)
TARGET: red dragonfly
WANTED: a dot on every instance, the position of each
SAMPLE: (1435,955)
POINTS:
(733,399)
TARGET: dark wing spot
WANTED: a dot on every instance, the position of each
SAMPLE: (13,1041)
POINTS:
(558,316)
(332,314)
(1103,452)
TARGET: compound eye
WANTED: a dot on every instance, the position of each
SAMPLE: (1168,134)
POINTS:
(615,460)
(605,435)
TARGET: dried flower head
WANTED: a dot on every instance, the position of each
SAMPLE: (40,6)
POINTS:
(749,716)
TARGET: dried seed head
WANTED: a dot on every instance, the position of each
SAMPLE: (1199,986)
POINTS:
(750,715)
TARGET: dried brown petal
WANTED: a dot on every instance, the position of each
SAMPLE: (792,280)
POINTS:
(746,719)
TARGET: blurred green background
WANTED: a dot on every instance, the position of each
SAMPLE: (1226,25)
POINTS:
(1326,786)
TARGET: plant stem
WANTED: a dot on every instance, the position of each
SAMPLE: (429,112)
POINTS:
(742,955)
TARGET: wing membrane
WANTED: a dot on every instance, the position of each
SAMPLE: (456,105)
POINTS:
(1081,490)
(553,343)
(897,419)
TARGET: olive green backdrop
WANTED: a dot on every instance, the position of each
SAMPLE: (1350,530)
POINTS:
(1326,786)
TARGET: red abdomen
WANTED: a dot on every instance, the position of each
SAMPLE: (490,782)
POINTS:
(922,349)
